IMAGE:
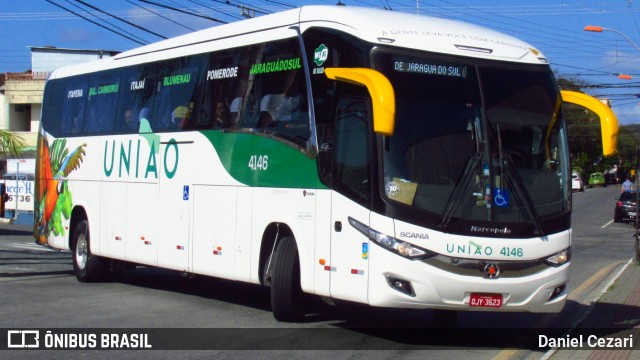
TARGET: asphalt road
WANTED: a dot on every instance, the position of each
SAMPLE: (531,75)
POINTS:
(233,320)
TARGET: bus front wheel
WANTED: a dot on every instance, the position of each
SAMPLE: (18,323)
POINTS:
(86,266)
(285,282)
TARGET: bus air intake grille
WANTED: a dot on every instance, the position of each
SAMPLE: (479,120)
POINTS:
(476,268)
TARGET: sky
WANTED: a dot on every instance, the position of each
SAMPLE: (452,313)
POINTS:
(555,27)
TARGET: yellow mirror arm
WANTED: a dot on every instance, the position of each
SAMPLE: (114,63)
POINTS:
(608,120)
(380,90)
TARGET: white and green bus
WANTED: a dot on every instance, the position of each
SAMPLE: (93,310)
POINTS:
(357,154)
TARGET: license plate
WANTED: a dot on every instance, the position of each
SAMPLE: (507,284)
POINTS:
(486,300)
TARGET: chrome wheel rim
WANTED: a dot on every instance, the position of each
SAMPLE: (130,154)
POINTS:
(81,252)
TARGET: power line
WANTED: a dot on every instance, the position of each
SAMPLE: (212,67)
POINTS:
(182,11)
(214,9)
(160,15)
(93,22)
(123,20)
(107,22)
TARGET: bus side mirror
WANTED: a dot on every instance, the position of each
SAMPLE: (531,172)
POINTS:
(608,120)
(380,90)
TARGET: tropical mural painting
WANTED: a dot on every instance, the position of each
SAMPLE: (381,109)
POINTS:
(53,198)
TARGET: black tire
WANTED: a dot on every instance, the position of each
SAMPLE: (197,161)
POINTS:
(86,266)
(285,282)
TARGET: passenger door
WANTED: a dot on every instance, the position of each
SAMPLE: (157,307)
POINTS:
(351,199)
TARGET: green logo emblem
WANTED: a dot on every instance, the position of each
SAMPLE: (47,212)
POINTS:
(320,55)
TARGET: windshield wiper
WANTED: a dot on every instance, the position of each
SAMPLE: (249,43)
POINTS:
(513,176)
(458,192)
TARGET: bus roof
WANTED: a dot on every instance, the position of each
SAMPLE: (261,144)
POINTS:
(377,26)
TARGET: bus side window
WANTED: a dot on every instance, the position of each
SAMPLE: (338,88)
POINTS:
(75,95)
(352,166)
(176,93)
(53,100)
(102,100)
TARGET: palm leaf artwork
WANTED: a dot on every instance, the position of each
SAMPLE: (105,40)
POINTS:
(58,152)
(56,163)
(72,161)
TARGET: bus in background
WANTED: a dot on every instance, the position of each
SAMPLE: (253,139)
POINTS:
(371,156)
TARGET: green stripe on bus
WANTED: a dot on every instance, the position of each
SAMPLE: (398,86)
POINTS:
(258,160)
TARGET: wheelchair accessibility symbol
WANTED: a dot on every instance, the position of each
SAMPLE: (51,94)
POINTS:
(501,197)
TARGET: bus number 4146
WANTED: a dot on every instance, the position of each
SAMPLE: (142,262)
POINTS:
(258,162)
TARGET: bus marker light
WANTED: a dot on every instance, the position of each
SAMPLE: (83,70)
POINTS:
(179,247)
(322,261)
(147,242)
(118,238)
(329,268)
(357,272)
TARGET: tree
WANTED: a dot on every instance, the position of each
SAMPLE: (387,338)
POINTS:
(11,144)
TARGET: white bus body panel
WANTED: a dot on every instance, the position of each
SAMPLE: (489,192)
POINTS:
(349,251)
(214,233)
(175,170)
(142,223)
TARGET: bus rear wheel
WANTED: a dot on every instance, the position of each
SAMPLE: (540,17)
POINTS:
(86,266)
(286,293)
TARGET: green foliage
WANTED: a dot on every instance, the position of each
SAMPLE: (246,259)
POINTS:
(10,144)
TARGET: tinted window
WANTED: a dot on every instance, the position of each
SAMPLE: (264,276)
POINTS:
(101,103)
(174,93)
(226,98)
(135,99)
(279,89)
(75,92)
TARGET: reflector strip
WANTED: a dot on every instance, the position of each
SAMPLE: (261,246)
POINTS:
(329,268)
(357,272)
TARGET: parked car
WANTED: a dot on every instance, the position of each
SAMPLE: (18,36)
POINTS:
(626,208)
(597,179)
(576,182)
(611,178)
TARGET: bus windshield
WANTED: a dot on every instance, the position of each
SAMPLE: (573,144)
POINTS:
(478,147)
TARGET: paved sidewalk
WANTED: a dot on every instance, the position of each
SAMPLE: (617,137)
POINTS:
(615,315)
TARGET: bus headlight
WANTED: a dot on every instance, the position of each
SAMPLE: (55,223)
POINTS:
(390,243)
(559,258)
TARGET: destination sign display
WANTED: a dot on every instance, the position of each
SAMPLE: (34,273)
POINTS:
(421,66)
